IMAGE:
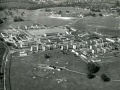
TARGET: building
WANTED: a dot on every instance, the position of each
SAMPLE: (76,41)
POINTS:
(110,40)
(22,53)
(51,34)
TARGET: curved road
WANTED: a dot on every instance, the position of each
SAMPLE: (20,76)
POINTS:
(5,69)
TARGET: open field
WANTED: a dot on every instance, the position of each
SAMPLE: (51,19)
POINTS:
(24,76)
(27,75)
(71,9)
(33,16)
(105,25)
(19,5)
(50,30)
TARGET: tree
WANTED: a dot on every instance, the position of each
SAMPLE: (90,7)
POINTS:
(47,10)
(1,21)
(93,67)
(105,78)
(117,4)
(17,19)
(9,44)
(90,76)
(93,14)
(64,52)
(1,39)
(59,12)
(47,56)
(100,14)
(67,11)
(1,74)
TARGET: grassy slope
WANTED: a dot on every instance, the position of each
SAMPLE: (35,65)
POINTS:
(2,51)
(22,74)
(16,5)
(106,25)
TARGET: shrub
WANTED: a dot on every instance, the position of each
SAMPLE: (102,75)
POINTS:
(47,56)
(90,76)
(95,10)
(64,52)
(1,39)
(47,10)
(105,78)
(9,44)
(93,67)
(100,14)
(93,14)
(17,19)
(1,21)
(59,12)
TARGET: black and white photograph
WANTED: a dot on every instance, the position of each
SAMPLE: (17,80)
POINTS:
(59,44)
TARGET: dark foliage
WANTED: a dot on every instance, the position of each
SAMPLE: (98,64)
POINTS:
(1,8)
(67,11)
(64,52)
(90,76)
(100,14)
(18,19)
(47,10)
(59,12)
(9,44)
(1,39)
(90,14)
(95,10)
(118,10)
(93,67)
(47,56)
(105,78)
(1,74)
(1,21)
(117,4)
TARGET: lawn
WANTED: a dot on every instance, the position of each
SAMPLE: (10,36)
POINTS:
(25,76)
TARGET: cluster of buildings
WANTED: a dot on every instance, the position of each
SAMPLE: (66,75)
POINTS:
(87,45)
(35,26)
(87,48)
(16,38)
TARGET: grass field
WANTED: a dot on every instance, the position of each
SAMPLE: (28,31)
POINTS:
(43,31)
(105,25)
(71,9)
(18,5)
(25,77)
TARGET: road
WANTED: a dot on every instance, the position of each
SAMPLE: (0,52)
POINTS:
(4,65)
